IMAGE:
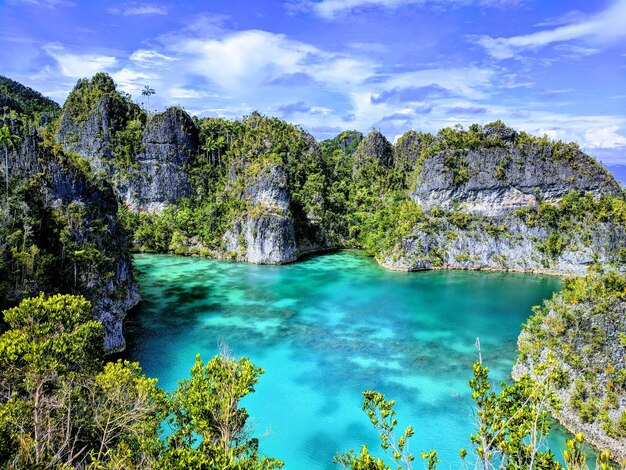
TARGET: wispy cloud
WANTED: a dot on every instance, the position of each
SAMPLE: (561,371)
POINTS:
(604,27)
(466,111)
(330,9)
(605,137)
(135,9)
(79,65)
(43,3)
(293,108)
(147,58)
(211,67)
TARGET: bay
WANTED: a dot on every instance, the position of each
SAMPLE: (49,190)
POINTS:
(327,328)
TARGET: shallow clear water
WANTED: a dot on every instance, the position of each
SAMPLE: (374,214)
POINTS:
(327,328)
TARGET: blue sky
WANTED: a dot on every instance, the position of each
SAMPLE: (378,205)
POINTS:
(553,67)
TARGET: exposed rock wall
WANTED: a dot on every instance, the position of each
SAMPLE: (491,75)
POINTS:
(170,143)
(505,244)
(146,163)
(266,233)
(374,148)
(579,335)
(84,213)
(89,132)
(476,201)
(502,179)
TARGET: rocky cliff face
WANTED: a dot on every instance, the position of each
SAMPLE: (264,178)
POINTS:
(493,199)
(506,244)
(276,170)
(374,148)
(265,233)
(170,143)
(69,237)
(579,336)
(506,173)
(146,163)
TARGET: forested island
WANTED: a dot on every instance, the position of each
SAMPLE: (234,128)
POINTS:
(87,184)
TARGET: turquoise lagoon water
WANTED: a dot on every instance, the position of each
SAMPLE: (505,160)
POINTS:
(327,328)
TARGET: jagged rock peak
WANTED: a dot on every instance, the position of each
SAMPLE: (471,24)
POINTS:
(349,140)
(92,116)
(410,145)
(173,126)
(374,148)
(170,143)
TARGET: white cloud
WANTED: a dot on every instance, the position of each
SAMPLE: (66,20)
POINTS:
(44,3)
(136,9)
(187,93)
(248,59)
(149,58)
(231,74)
(132,81)
(79,65)
(606,26)
(604,137)
(330,9)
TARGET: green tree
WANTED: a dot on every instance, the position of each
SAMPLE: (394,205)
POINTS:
(147,92)
(128,409)
(510,426)
(383,417)
(9,141)
(209,427)
(51,341)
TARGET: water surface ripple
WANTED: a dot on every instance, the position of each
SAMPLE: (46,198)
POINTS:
(327,328)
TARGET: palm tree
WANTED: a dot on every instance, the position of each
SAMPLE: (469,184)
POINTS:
(210,145)
(8,141)
(147,92)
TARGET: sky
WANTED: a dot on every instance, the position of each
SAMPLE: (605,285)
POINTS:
(547,67)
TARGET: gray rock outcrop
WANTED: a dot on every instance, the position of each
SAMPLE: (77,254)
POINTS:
(374,148)
(97,122)
(170,143)
(64,190)
(266,234)
(502,179)
(505,244)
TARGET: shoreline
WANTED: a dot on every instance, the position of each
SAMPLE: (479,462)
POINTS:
(381,262)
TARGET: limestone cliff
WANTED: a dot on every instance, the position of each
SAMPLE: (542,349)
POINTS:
(580,335)
(280,190)
(160,174)
(265,232)
(504,171)
(145,158)
(491,198)
(59,233)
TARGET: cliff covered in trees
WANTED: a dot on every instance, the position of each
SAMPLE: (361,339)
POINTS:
(264,191)
(59,229)
(84,184)
(580,337)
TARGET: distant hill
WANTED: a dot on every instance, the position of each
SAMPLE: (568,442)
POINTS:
(25,100)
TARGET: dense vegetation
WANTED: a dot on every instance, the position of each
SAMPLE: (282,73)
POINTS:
(510,427)
(584,329)
(61,406)
(118,143)
(16,96)
(61,247)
